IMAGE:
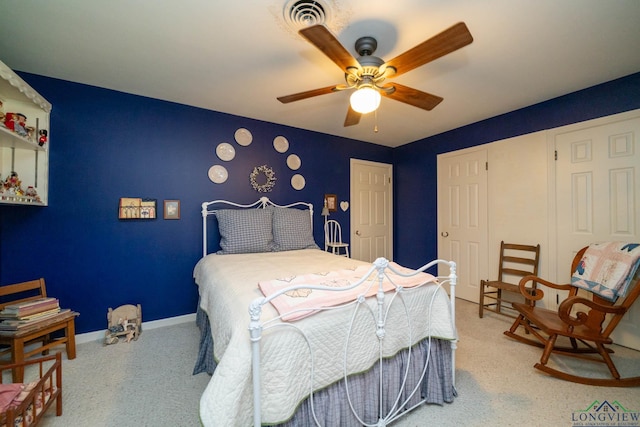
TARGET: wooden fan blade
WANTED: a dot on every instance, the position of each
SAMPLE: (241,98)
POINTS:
(321,37)
(353,117)
(446,42)
(307,94)
(414,97)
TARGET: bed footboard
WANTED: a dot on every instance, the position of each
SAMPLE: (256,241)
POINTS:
(331,406)
(390,403)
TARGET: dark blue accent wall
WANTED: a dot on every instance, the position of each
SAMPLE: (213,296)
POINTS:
(415,216)
(106,145)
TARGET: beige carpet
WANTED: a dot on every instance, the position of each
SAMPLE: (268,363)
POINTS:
(498,386)
(149,382)
(146,383)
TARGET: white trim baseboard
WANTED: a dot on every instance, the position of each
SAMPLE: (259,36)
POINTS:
(160,323)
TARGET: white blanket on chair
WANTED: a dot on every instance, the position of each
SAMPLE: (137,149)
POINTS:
(606,269)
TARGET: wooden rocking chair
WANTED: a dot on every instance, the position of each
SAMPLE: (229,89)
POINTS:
(587,323)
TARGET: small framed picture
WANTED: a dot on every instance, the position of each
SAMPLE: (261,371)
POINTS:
(129,208)
(172,209)
(332,202)
(148,209)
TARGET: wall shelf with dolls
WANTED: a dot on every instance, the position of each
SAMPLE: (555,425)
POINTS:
(24,142)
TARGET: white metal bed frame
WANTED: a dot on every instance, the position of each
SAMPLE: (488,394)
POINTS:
(384,302)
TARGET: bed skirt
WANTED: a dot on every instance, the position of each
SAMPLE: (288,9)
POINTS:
(205,361)
(331,404)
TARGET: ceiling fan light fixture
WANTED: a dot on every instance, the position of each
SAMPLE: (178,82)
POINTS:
(365,100)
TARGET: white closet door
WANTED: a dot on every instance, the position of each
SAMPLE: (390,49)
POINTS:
(598,195)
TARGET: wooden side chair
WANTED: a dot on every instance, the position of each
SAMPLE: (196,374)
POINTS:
(18,343)
(516,261)
(585,322)
(333,238)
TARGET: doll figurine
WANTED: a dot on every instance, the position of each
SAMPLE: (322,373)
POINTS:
(17,122)
(43,137)
(13,181)
(20,125)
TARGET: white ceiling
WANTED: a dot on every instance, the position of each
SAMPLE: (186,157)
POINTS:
(237,56)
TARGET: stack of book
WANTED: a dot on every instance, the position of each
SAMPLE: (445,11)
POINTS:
(25,314)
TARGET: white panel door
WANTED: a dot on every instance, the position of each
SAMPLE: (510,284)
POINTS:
(462,218)
(371,210)
(598,196)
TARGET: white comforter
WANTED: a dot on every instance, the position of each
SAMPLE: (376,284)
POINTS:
(228,285)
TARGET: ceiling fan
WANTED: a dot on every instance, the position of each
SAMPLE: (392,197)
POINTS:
(367,73)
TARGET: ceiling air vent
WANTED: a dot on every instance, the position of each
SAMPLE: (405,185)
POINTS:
(302,13)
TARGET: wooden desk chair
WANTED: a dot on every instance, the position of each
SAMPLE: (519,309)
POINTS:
(516,261)
(333,238)
(22,343)
(587,323)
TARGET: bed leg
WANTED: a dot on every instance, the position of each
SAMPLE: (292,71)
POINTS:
(255,330)
(452,291)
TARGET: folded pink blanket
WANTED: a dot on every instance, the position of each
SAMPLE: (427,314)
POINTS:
(13,394)
(302,302)
(606,269)
(8,392)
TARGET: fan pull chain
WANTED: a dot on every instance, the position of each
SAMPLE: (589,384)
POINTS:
(375,123)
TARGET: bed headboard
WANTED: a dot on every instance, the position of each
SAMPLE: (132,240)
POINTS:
(210,208)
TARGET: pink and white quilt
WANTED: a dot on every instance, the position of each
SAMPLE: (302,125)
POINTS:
(606,269)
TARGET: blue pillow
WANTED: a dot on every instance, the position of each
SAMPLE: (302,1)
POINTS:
(245,231)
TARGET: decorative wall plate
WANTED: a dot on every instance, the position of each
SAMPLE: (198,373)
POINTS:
(294,162)
(243,137)
(218,174)
(225,151)
(298,182)
(281,144)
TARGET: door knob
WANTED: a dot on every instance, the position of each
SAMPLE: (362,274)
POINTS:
(444,234)
(357,232)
